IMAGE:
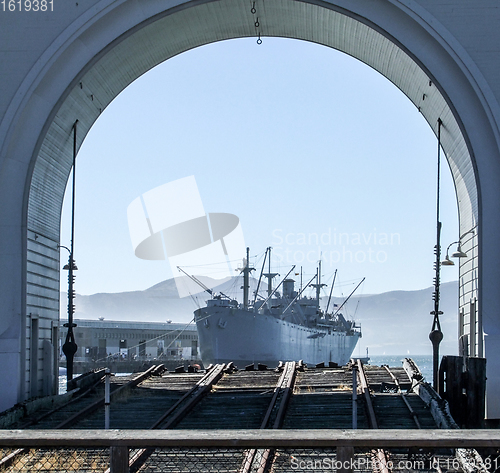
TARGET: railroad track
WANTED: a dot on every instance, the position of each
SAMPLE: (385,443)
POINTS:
(260,460)
(223,397)
(390,407)
(379,457)
(93,413)
(255,387)
(83,410)
(397,412)
(177,412)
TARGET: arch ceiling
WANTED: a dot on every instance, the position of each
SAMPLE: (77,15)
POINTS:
(156,37)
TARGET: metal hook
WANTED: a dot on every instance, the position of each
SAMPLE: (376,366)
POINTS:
(257,24)
(259,41)
(253,10)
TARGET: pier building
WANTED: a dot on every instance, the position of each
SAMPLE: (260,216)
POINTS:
(123,344)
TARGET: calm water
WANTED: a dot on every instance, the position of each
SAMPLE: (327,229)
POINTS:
(424,362)
(62,384)
(62,381)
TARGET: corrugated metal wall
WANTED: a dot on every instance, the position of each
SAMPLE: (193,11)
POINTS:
(470,329)
(42,306)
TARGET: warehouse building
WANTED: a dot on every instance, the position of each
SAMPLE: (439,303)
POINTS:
(100,340)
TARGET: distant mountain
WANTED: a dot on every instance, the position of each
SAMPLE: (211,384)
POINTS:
(396,322)
(155,304)
(399,322)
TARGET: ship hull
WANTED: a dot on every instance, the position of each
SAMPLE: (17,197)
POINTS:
(245,337)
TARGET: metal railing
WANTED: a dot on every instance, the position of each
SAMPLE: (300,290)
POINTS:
(224,450)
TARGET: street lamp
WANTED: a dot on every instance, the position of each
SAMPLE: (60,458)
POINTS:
(70,347)
(436,335)
(447,261)
(458,254)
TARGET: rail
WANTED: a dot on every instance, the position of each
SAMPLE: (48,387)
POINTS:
(99,403)
(379,456)
(403,397)
(120,441)
(178,411)
(14,456)
(80,395)
(261,459)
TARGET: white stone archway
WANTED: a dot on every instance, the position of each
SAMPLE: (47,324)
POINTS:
(94,49)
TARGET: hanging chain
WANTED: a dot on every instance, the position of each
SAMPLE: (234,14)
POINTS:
(253,10)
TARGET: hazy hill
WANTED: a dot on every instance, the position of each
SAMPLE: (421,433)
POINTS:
(399,322)
(396,322)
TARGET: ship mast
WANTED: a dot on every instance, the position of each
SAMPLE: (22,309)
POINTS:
(270,276)
(318,284)
(331,292)
(256,292)
(246,280)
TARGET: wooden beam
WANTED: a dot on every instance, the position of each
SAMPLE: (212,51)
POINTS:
(345,455)
(118,461)
(252,438)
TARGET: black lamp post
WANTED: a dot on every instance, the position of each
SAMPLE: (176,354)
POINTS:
(70,347)
(436,334)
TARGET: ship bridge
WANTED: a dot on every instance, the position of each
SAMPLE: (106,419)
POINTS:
(69,61)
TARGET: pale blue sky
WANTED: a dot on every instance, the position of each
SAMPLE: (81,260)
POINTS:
(300,141)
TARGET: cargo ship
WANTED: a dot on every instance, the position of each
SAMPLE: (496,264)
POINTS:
(283,325)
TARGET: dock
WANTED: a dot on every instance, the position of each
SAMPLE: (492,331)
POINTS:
(289,399)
